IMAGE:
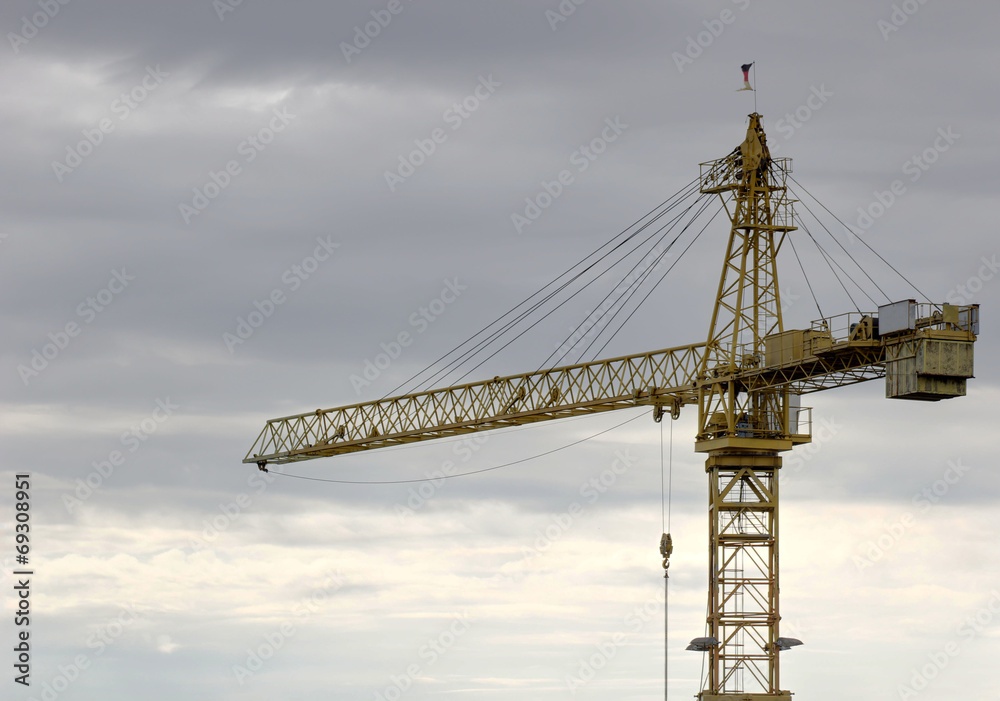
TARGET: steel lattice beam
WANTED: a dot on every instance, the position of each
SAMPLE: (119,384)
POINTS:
(661,377)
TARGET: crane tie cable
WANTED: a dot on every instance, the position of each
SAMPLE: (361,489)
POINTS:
(859,238)
(601,309)
(462,474)
(659,211)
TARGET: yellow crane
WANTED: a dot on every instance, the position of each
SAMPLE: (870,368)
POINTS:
(746,379)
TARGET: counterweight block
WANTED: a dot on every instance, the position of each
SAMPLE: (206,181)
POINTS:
(928,368)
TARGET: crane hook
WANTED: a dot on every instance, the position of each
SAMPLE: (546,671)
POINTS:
(666,550)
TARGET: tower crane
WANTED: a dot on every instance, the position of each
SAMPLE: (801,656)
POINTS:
(746,380)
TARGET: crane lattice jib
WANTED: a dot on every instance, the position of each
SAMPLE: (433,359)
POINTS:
(661,377)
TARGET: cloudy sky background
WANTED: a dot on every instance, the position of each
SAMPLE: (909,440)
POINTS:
(182,560)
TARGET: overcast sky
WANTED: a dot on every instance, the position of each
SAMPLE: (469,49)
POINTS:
(216,213)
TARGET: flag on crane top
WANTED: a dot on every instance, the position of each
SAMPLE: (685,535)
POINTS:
(746,76)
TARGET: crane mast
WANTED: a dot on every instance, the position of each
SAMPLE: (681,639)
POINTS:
(743,429)
(746,380)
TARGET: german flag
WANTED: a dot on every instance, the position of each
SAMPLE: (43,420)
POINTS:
(746,77)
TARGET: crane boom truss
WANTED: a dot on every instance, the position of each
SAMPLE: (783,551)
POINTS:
(661,377)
